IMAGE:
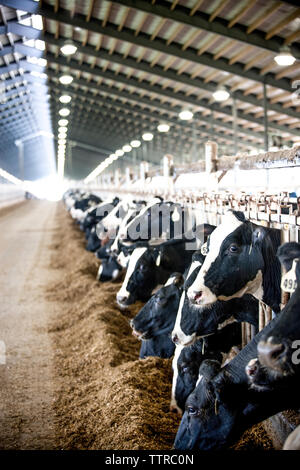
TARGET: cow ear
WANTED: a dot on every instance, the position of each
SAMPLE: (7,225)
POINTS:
(209,368)
(222,385)
(178,281)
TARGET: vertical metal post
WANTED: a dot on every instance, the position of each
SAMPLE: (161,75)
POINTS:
(194,142)
(266,124)
(234,124)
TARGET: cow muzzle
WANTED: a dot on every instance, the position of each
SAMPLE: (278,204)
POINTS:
(179,338)
(272,354)
(201,296)
(123,301)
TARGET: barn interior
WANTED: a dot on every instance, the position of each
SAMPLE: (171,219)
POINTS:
(196,102)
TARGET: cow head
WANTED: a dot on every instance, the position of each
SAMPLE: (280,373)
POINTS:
(210,411)
(185,364)
(109,270)
(279,348)
(157,317)
(140,278)
(238,255)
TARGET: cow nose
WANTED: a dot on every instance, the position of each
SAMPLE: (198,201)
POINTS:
(175,339)
(121,299)
(195,296)
(251,367)
(269,352)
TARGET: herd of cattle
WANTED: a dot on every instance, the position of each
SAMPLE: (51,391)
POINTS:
(197,290)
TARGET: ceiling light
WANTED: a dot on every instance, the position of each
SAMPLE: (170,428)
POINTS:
(127,148)
(147,136)
(66,79)
(61,141)
(135,143)
(221,94)
(163,127)
(62,136)
(63,122)
(65,99)
(119,153)
(285,57)
(62,129)
(68,48)
(64,112)
(186,115)
(114,157)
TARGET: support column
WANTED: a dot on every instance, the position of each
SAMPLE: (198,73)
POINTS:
(266,124)
(234,125)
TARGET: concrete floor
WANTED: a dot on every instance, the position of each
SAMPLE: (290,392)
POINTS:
(26,377)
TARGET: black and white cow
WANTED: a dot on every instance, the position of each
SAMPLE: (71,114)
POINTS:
(102,211)
(157,220)
(154,322)
(115,264)
(109,270)
(279,349)
(149,267)
(193,322)
(223,406)
(187,360)
(241,259)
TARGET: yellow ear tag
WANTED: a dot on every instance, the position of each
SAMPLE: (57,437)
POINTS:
(158,260)
(289,280)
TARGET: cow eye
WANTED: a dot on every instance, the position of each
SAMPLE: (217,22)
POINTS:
(185,369)
(233,248)
(191,411)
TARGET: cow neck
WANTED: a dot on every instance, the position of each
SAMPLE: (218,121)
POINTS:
(236,367)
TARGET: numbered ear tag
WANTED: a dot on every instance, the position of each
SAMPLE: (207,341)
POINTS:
(158,260)
(289,280)
(204,249)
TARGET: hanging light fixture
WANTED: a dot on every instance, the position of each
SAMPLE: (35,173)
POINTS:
(65,99)
(63,122)
(147,136)
(119,153)
(186,115)
(163,127)
(127,148)
(135,143)
(64,112)
(68,48)
(66,79)
(285,57)
(221,94)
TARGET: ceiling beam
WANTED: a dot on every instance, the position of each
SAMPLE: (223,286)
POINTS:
(164,91)
(180,14)
(170,74)
(201,21)
(136,98)
(147,115)
(190,54)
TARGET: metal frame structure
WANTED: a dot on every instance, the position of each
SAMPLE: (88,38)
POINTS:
(146,60)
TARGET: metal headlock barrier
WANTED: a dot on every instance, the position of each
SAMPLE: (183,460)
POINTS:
(277,210)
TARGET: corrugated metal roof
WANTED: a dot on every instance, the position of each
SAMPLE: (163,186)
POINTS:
(142,60)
